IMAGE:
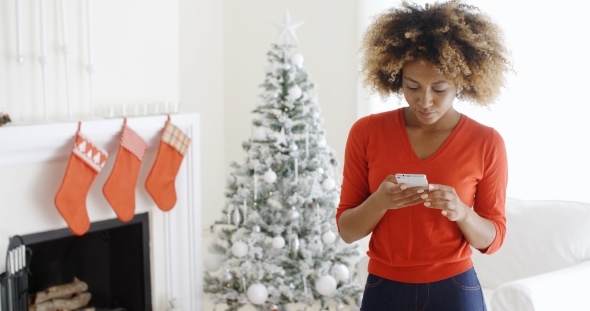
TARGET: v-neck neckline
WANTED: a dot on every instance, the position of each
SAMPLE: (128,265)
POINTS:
(406,138)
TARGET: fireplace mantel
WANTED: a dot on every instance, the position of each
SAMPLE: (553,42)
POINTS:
(180,229)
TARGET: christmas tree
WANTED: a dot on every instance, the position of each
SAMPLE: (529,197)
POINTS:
(276,243)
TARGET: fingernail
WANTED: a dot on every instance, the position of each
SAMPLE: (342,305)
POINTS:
(444,213)
(426,203)
(430,187)
(403,187)
(424,196)
(420,190)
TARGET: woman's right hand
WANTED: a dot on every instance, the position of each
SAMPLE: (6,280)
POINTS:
(391,195)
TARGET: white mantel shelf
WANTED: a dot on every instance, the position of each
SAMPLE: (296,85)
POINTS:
(38,143)
(22,144)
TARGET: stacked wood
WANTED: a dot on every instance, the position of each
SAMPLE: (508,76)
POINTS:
(71,296)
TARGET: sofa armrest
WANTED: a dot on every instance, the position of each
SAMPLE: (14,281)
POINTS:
(564,289)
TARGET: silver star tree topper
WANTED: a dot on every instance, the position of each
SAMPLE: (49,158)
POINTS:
(287,28)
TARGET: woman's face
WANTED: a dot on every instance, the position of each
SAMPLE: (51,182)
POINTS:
(429,94)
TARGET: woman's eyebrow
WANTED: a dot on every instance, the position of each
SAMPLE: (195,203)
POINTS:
(437,82)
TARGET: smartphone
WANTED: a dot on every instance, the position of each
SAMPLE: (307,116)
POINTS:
(412,180)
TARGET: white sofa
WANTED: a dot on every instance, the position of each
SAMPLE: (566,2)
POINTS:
(544,264)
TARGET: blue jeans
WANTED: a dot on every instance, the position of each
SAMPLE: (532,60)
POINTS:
(458,293)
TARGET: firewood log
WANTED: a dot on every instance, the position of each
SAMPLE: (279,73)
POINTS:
(77,301)
(59,291)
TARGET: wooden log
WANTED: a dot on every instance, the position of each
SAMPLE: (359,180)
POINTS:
(79,300)
(59,291)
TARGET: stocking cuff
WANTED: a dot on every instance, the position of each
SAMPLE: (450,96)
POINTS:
(133,142)
(92,155)
(174,137)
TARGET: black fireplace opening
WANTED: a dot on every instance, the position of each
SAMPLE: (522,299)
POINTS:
(113,258)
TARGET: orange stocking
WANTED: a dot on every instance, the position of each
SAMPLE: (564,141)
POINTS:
(85,162)
(160,181)
(119,189)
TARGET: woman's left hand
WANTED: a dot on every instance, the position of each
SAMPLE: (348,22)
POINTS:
(446,199)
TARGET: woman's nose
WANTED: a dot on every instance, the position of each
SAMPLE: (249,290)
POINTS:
(425,99)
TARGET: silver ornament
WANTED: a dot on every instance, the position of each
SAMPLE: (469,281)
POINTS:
(293,147)
(231,179)
(295,244)
(226,277)
(340,307)
(256,228)
(243,279)
(236,217)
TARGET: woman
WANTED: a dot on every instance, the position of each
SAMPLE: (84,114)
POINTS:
(420,247)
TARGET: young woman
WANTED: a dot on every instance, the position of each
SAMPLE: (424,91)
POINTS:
(421,239)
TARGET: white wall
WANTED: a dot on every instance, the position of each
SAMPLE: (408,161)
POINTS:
(134,48)
(201,25)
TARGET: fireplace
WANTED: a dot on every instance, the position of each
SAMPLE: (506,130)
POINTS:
(112,258)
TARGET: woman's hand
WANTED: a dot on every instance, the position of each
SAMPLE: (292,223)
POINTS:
(479,232)
(446,199)
(391,195)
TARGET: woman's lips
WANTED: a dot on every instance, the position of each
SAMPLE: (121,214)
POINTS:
(427,114)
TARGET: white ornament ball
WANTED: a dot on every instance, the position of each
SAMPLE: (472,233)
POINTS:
(295,92)
(341,272)
(231,179)
(325,285)
(293,214)
(340,307)
(328,237)
(259,133)
(293,147)
(212,262)
(239,249)
(256,228)
(287,66)
(297,60)
(328,184)
(257,294)
(270,176)
(278,242)
(320,170)
(267,67)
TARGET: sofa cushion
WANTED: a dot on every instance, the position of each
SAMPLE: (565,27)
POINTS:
(563,289)
(541,236)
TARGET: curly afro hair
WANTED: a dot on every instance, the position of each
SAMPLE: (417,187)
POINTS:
(461,42)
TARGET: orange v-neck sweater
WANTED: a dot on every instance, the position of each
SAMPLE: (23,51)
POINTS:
(417,244)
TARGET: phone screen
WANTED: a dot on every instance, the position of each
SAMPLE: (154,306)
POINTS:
(412,180)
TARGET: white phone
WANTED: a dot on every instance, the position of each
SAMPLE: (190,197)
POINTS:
(412,180)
